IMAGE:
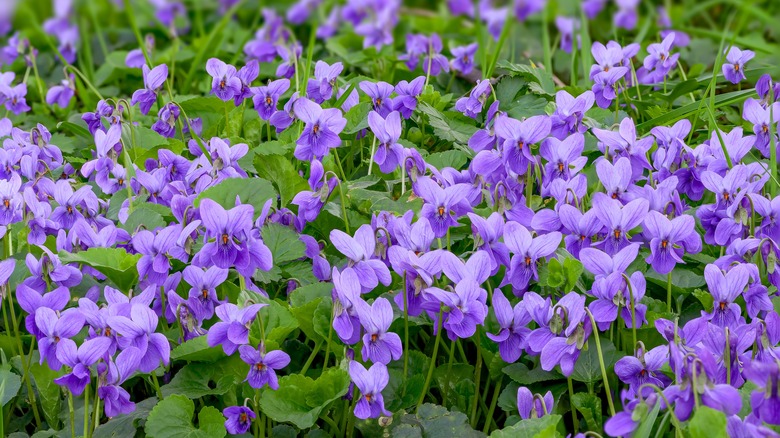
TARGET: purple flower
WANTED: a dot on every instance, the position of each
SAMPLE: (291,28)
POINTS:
(602,265)
(407,94)
(764,400)
(463,58)
(204,287)
(513,324)
(471,106)
(462,311)
(263,366)
(530,406)
(486,233)
(379,93)
(659,59)
(320,87)
(139,331)
(564,336)
(734,68)
(763,120)
(670,240)
(246,74)
(61,94)
(266,97)
(230,231)
(618,220)
(614,294)
(605,85)
(581,228)
(389,153)
(379,345)
(346,295)
(310,203)
(115,398)
(166,120)
(80,359)
(233,328)
(31,300)
(153,82)
(518,138)
(527,251)
(14,98)
(626,16)
(725,288)
(567,26)
(238,419)
(360,252)
(56,331)
(569,111)
(370,382)
(225,83)
(443,206)
(154,263)
(564,158)
(643,368)
(321,133)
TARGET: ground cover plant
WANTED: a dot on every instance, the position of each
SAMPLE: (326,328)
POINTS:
(385,218)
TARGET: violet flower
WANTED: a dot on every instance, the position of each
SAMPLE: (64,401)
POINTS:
(266,97)
(618,220)
(370,382)
(530,406)
(153,82)
(321,133)
(389,153)
(56,331)
(463,58)
(238,419)
(263,366)
(379,345)
(225,83)
(139,331)
(360,252)
(527,251)
(569,112)
(734,67)
(519,137)
(670,240)
(407,95)
(443,206)
(643,368)
(80,359)
(379,93)
(513,323)
(346,295)
(320,87)
(233,328)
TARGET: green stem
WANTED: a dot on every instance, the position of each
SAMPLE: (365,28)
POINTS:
(772,142)
(477,378)
(371,156)
(668,293)
(157,386)
(332,424)
(727,357)
(309,361)
(342,195)
(86,411)
(493,402)
(327,347)
(72,415)
(601,363)
(546,39)
(446,389)
(433,360)
(259,425)
(501,39)
(574,420)
(406,329)
(632,307)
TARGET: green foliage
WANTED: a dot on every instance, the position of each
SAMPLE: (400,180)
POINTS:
(173,417)
(114,263)
(300,399)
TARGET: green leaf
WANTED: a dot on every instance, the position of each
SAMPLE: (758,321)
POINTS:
(692,109)
(573,269)
(304,314)
(448,126)
(452,158)
(9,385)
(542,78)
(532,427)
(306,294)
(357,117)
(199,379)
(590,407)
(115,263)
(252,191)
(197,350)
(447,379)
(555,276)
(48,392)
(144,215)
(281,172)
(172,417)
(126,425)
(707,423)
(300,399)
(522,375)
(277,321)
(647,420)
(587,369)
(438,422)
(283,243)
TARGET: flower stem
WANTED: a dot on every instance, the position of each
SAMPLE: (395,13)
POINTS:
(332,424)
(668,293)
(727,357)
(259,421)
(313,354)
(477,378)
(327,347)
(601,363)
(157,386)
(342,195)
(72,415)
(632,306)
(574,420)
(371,157)
(493,402)
(433,360)
(97,409)
(406,328)
(86,411)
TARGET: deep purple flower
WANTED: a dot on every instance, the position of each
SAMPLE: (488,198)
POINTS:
(734,68)
(471,106)
(263,366)
(513,324)
(527,251)
(562,338)
(443,206)
(360,252)
(582,228)
(56,331)
(463,58)
(615,296)
(670,240)
(266,97)
(154,263)
(763,120)
(320,87)
(321,133)
(618,220)
(379,92)
(569,112)
(605,85)
(225,83)
(643,368)
(139,331)
(31,300)
(233,328)
(725,288)
(246,74)
(389,153)
(370,382)
(230,230)
(407,94)
(659,58)
(346,295)
(379,345)
(80,359)
(14,98)
(61,94)
(530,406)
(567,26)
(153,82)
(764,400)
(518,138)
(238,419)
(602,265)
(203,287)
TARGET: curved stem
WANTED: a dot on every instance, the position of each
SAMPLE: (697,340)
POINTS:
(632,306)
(604,376)
(493,402)
(477,378)
(72,414)
(433,360)
(313,354)
(574,420)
